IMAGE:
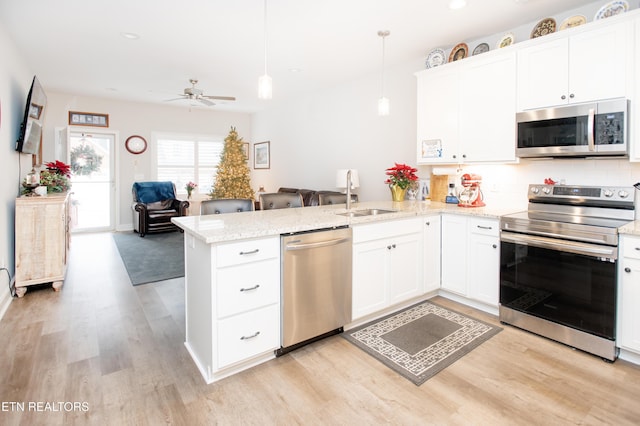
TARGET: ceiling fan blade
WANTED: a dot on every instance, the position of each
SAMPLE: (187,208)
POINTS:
(206,102)
(221,98)
(174,99)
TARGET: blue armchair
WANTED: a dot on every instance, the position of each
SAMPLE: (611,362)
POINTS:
(154,204)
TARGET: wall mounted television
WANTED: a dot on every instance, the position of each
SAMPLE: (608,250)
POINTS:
(31,127)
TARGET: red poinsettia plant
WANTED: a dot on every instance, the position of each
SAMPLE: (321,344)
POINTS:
(60,168)
(401,175)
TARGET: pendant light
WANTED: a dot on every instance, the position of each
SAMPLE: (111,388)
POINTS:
(265,84)
(383,103)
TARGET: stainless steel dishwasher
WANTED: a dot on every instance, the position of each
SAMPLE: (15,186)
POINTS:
(316,285)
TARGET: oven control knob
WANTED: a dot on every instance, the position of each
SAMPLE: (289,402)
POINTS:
(623,194)
(608,193)
(546,190)
(535,189)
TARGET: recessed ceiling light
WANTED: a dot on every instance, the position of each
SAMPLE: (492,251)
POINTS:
(130,36)
(295,70)
(457,4)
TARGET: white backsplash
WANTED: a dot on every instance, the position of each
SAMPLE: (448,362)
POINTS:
(506,185)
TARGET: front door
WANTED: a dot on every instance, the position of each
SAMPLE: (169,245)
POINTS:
(91,156)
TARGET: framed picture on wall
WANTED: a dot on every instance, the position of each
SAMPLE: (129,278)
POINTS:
(261,155)
(88,119)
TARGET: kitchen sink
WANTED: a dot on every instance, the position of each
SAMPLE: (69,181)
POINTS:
(366,212)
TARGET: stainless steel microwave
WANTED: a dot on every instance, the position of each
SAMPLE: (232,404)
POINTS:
(581,130)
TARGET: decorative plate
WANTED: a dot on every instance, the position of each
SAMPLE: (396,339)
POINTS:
(436,58)
(610,9)
(460,51)
(481,48)
(573,21)
(507,40)
(544,27)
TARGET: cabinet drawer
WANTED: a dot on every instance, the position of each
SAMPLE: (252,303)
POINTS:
(484,227)
(631,248)
(246,287)
(247,251)
(242,336)
(389,229)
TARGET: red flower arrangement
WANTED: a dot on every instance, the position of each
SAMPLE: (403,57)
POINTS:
(59,168)
(401,175)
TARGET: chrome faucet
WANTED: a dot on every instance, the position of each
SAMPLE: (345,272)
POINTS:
(349,189)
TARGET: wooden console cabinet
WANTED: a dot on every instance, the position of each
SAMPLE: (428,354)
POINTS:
(42,240)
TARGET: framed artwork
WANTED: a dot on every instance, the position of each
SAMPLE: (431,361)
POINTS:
(261,155)
(88,119)
(245,149)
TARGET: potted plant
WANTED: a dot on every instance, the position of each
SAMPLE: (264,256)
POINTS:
(399,178)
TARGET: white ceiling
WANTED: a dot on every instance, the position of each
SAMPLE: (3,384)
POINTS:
(76,46)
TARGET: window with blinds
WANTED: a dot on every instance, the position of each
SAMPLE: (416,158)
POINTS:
(189,159)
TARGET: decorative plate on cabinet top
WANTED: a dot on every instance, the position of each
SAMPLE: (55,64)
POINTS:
(460,51)
(573,21)
(612,8)
(507,40)
(481,48)
(436,58)
(544,27)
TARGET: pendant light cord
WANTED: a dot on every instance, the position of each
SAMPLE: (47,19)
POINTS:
(265,37)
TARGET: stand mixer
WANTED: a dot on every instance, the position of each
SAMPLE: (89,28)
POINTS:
(470,195)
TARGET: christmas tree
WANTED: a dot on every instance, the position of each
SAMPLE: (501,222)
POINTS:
(232,179)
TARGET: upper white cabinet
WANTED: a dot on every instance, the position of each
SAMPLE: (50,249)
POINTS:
(466,111)
(587,66)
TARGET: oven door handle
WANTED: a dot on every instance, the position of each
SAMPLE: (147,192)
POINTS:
(561,245)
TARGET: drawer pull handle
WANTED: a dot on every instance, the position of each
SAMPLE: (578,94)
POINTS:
(242,253)
(484,227)
(255,287)
(250,337)
(638,248)
(627,269)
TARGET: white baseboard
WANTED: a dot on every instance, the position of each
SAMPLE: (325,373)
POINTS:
(5,300)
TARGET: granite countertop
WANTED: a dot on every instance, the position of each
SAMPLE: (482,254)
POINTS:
(632,228)
(264,223)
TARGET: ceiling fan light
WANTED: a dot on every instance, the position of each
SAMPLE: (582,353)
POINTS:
(383,106)
(265,87)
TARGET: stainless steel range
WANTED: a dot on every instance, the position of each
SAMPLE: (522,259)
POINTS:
(558,264)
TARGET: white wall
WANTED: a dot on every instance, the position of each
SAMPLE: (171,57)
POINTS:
(15,80)
(131,118)
(339,128)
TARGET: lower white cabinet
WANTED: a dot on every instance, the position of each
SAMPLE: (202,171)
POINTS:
(387,264)
(232,304)
(431,257)
(628,330)
(471,257)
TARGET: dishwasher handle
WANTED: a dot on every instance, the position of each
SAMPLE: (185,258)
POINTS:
(326,243)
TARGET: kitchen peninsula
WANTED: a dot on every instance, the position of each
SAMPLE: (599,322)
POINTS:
(232,272)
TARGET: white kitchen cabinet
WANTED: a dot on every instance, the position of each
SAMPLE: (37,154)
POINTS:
(466,111)
(588,66)
(471,257)
(387,265)
(437,121)
(634,112)
(454,254)
(232,304)
(487,109)
(483,266)
(431,258)
(628,336)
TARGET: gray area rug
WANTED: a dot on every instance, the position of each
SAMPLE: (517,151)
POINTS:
(421,340)
(155,257)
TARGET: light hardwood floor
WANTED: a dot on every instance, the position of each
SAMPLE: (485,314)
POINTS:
(119,350)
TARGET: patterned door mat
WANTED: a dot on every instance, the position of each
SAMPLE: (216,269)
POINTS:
(421,340)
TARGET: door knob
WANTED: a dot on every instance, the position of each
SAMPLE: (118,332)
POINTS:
(627,269)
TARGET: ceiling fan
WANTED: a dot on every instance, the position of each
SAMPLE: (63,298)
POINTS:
(196,94)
